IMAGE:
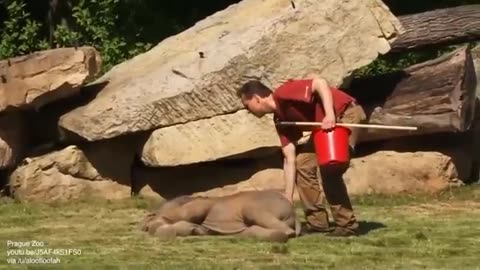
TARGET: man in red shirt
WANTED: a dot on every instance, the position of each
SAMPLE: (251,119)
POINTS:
(309,100)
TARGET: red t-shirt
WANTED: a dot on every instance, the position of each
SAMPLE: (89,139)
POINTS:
(296,102)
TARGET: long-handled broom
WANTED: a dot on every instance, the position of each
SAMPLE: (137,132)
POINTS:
(287,123)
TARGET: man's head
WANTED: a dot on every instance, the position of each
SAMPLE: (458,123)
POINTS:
(256,97)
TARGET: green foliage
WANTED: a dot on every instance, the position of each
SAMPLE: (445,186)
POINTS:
(121,29)
(396,61)
(403,7)
(407,231)
(95,24)
(393,62)
(19,34)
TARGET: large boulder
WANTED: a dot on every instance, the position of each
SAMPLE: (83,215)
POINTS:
(194,74)
(218,177)
(41,77)
(389,172)
(99,169)
(210,139)
(13,139)
(384,172)
(476,64)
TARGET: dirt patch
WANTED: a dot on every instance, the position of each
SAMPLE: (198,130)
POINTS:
(472,207)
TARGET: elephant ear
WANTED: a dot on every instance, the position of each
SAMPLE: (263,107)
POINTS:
(175,202)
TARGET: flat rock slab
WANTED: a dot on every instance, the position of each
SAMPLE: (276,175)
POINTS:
(476,127)
(476,63)
(194,75)
(413,97)
(209,139)
(13,139)
(41,77)
(390,172)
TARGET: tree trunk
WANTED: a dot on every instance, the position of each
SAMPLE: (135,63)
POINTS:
(439,27)
(59,13)
(435,96)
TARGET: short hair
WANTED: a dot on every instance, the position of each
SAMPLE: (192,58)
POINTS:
(253,87)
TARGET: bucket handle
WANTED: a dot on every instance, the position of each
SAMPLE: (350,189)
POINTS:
(287,123)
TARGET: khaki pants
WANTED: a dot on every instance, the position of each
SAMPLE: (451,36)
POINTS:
(315,185)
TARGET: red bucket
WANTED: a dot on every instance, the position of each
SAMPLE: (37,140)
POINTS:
(332,147)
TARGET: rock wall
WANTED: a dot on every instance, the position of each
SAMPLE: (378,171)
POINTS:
(119,136)
(168,182)
(194,75)
(43,77)
(476,63)
(69,174)
(13,139)
(98,169)
(381,172)
(209,139)
(476,125)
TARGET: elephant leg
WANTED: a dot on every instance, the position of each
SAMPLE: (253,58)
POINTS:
(180,228)
(264,234)
(268,221)
(164,231)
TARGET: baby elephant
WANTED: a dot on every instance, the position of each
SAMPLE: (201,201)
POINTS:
(263,215)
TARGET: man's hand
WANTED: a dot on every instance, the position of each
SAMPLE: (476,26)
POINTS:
(289,169)
(328,122)
(321,87)
(288,197)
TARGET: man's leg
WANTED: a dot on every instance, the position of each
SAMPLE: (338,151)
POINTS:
(334,184)
(310,190)
(340,205)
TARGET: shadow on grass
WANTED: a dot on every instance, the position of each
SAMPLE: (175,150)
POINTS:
(368,226)
(365,227)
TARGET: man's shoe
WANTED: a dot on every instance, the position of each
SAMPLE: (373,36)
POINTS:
(307,229)
(342,232)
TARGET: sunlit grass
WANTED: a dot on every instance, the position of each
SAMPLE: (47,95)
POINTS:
(400,232)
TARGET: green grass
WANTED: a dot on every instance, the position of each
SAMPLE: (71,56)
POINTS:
(404,232)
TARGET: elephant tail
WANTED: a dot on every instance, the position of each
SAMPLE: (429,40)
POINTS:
(298,226)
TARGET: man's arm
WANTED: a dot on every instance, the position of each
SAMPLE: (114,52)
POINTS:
(320,86)
(289,169)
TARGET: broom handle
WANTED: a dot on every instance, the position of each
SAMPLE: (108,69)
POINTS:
(347,125)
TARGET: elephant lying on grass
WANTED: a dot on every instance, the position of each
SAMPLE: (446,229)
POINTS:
(262,215)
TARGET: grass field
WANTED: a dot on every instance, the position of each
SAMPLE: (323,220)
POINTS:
(399,232)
